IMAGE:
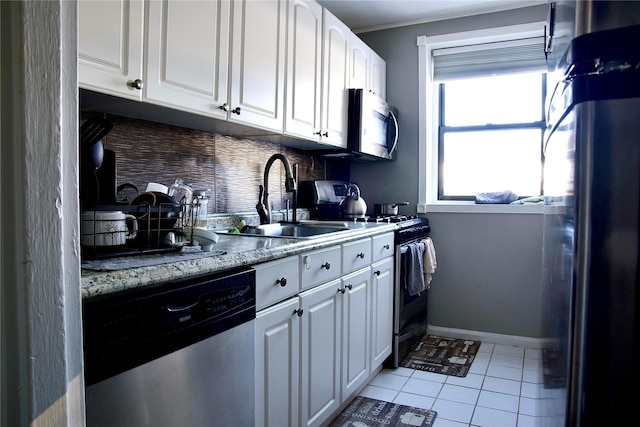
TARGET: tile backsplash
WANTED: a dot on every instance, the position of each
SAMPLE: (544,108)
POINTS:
(231,168)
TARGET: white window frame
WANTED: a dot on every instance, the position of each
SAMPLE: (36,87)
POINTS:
(428,118)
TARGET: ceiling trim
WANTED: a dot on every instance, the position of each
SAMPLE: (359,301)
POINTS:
(456,15)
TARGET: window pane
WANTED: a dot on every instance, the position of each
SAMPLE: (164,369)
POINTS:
(493,100)
(487,161)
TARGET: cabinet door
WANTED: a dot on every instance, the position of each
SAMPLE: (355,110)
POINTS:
(356,255)
(110,46)
(335,76)
(304,63)
(320,266)
(382,246)
(382,284)
(378,76)
(187,58)
(276,280)
(320,353)
(258,63)
(355,330)
(359,62)
(277,350)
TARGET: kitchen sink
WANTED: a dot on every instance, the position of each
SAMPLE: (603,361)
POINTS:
(292,231)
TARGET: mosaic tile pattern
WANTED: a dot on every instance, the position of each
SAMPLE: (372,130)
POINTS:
(232,168)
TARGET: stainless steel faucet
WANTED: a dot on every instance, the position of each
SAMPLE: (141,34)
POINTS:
(263,207)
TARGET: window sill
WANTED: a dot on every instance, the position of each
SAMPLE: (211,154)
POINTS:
(471,207)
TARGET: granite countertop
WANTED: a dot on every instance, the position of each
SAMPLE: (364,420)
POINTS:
(230,252)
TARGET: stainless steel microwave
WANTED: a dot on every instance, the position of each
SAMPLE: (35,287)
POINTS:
(372,126)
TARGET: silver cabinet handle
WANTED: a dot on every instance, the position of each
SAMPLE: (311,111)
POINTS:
(136,84)
(236,111)
(224,107)
(282,281)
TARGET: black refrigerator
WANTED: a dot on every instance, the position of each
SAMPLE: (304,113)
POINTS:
(591,315)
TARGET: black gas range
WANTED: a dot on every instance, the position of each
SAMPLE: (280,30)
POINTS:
(410,227)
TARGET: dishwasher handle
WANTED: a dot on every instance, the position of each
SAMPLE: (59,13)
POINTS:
(177,309)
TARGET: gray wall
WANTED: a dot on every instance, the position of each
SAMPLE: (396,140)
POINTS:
(489,272)
(488,275)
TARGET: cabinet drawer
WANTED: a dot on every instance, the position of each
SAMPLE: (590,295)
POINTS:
(276,280)
(356,255)
(382,247)
(320,266)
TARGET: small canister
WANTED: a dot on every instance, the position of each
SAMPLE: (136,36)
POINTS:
(200,207)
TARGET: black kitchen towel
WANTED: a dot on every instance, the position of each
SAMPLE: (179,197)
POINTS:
(414,268)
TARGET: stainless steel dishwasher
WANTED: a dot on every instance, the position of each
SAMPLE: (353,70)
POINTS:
(179,354)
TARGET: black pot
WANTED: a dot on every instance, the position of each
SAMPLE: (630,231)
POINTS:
(386,209)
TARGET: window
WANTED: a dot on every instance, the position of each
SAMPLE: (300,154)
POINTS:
(490,135)
(481,104)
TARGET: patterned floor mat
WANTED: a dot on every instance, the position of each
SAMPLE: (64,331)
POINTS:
(447,356)
(366,412)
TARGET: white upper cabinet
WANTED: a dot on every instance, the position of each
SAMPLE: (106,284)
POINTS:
(187,58)
(304,66)
(279,65)
(360,58)
(110,40)
(368,70)
(258,63)
(335,75)
(378,75)
(317,75)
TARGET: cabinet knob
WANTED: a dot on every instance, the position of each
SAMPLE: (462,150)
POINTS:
(282,281)
(360,255)
(377,272)
(326,265)
(224,107)
(136,84)
(236,111)
(325,134)
(298,312)
(343,290)
(386,246)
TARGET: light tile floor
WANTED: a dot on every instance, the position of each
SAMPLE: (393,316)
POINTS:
(499,389)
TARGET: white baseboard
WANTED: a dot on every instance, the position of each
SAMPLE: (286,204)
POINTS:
(488,337)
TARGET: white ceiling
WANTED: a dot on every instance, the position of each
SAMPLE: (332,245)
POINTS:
(367,15)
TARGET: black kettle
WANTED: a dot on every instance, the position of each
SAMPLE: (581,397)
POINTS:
(353,206)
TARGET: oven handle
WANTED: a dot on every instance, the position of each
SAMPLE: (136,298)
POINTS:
(405,246)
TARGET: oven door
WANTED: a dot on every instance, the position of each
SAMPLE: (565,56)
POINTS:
(410,312)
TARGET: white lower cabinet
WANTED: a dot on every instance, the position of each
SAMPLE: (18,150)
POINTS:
(320,355)
(355,330)
(277,351)
(382,282)
(317,348)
